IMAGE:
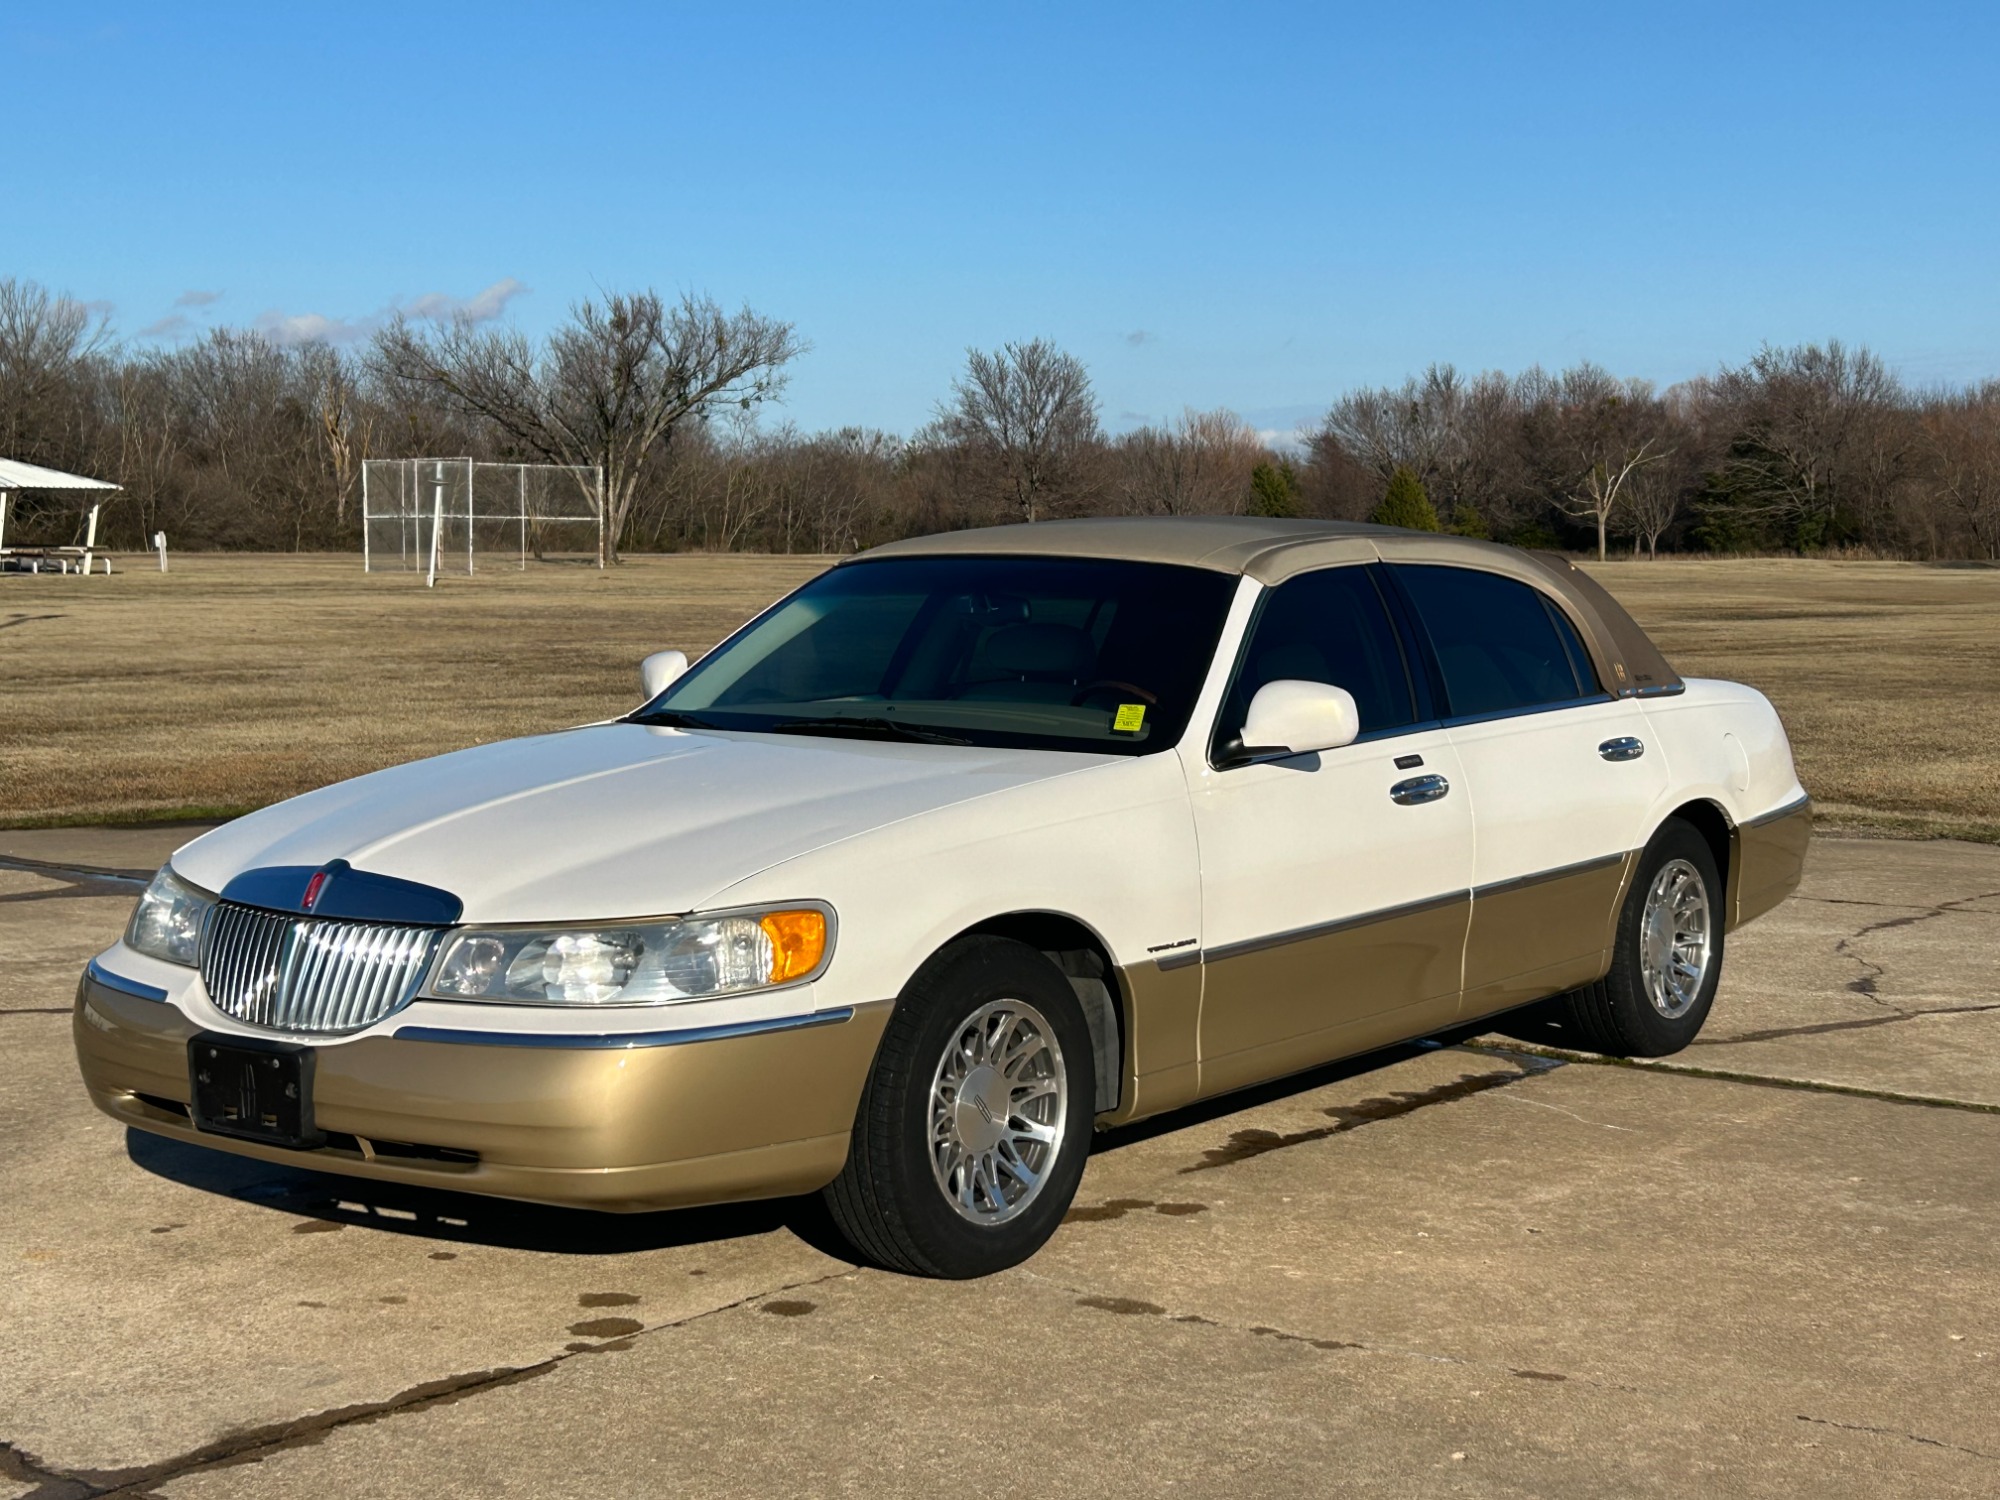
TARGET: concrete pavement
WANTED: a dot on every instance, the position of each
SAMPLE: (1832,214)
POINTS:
(1765,1267)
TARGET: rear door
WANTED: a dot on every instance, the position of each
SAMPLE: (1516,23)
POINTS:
(1334,885)
(1561,779)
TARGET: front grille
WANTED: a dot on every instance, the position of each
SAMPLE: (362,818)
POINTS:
(307,973)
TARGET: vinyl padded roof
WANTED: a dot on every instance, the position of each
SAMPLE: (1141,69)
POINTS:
(1271,551)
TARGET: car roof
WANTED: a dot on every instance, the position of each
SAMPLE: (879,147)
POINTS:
(1271,550)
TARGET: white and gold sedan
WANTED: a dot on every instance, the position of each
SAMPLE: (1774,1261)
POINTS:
(974,843)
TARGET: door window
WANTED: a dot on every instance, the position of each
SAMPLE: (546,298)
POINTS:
(1330,626)
(1496,640)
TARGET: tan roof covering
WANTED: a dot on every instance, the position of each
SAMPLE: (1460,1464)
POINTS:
(1271,551)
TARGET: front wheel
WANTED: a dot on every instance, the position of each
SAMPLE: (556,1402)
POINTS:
(1668,956)
(975,1124)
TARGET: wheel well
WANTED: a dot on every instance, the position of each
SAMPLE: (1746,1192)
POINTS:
(1085,960)
(1713,824)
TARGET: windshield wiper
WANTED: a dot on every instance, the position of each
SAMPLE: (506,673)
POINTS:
(667,718)
(867,729)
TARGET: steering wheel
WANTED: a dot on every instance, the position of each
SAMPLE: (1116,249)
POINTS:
(1111,682)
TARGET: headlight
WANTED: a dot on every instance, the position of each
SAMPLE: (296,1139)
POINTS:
(635,963)
(168,921)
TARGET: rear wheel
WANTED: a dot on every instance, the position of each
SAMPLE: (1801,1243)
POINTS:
(975,1124)
(1667,959)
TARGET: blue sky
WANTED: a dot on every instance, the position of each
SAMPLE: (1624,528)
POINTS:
(1253,206)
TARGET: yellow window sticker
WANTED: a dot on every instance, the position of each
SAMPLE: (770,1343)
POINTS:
(1130,718)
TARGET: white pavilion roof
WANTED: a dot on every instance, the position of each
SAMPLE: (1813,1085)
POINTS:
(15,475)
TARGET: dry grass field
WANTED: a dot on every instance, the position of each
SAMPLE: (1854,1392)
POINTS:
(234,681)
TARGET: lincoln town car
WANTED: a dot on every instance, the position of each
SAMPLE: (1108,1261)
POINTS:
(975,844)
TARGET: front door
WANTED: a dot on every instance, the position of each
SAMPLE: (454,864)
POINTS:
(1334,885)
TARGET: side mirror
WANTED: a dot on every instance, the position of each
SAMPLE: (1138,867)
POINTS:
(1292,717)
(660,669)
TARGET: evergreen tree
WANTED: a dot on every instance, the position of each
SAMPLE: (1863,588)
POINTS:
(1466,521)
(1405,504)
(1274,491)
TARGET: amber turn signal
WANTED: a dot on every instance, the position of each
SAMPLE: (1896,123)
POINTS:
(798,942)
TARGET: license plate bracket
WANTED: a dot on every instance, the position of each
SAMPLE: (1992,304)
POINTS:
(252,1089)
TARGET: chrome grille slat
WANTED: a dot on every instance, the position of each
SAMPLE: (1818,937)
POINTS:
(310,974)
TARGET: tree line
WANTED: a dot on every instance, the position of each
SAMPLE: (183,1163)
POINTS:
(241,441)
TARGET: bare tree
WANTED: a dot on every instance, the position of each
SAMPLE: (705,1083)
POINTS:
(1198,465)
(345,424)
(1604,431)
(45,343)
(1654,502)
(1028,412)
(610,386)
(1804,419)
(1963,430)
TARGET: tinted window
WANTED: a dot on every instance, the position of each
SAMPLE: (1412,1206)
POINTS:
(1579,660)
(1494,639)
(1326,627)
(1025,652)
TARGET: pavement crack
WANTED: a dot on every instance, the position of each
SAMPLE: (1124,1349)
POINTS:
(23,1467)
(1755,1080)
(252,1445)
(1862,1023)
(1868,983)
(1245,1144)
(1557,1108)
(1897,1432)
(77,880)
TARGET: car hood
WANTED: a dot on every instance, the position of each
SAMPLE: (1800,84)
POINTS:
(613,820)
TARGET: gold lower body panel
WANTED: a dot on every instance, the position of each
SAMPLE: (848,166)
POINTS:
(1295,1004)
(1770,861)
(1541,937)
(641,1128)
(1162,1031)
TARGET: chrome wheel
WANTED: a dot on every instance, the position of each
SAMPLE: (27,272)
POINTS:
(999,1099)
(1675,940)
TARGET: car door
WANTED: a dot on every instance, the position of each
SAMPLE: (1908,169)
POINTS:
(1560,777)
(1334,885)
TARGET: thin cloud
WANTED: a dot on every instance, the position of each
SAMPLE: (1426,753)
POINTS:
(281,327)
(197,299)
(1140,336)
(171,326)
(100,308)
(481,307)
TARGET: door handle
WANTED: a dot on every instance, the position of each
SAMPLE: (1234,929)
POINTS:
(1419,789)
(1625,747)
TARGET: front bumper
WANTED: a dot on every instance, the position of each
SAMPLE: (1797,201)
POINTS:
(628,1129)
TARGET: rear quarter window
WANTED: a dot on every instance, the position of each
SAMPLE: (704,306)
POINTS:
(1496,640)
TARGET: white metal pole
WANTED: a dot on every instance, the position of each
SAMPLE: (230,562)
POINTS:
(90,541)
(522,470)
(366,562)
(601,508)
(471,512)
(437,525)
(6,498)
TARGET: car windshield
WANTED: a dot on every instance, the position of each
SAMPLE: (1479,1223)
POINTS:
(1009,652)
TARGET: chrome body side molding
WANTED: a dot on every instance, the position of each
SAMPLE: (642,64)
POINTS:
(622,1041)
(96,973)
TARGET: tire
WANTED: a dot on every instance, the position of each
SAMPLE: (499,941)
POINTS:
(1631,1012)
(891,1201)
